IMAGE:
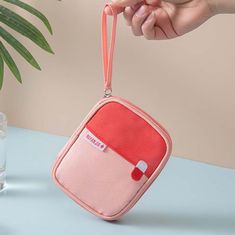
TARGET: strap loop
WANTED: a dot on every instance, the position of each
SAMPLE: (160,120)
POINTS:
(108,54)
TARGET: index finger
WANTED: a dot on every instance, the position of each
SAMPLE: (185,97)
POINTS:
(120,5)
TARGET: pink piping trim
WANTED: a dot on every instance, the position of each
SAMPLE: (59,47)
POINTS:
(73,138)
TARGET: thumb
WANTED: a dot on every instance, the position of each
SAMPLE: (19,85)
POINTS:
(120,5)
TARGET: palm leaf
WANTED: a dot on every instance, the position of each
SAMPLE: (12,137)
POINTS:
(10,62)
(19,47)
(24,27)
(1,71)
(33,11)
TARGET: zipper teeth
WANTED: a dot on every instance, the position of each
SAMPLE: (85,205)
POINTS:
(73,138)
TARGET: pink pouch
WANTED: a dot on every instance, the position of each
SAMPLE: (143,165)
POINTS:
(115,154)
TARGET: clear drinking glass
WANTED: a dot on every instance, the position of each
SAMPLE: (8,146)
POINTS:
(3,134)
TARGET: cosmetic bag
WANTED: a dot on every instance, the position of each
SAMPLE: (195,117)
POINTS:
(117,151)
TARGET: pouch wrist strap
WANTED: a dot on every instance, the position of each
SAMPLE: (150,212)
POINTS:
(107,54)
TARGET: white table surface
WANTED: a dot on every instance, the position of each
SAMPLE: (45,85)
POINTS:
(187,198)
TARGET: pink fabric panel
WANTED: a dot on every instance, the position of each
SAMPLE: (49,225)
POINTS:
(104,173)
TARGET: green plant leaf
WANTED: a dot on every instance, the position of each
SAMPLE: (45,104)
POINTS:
(33,11)
(19,47)
(23,27)
(10,62)
(1,71)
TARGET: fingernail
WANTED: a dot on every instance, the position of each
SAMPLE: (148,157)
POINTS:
(142,11)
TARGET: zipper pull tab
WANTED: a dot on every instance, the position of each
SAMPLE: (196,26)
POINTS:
(107,93)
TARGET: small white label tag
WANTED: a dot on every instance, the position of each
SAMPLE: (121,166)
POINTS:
(94,141)
(142,165)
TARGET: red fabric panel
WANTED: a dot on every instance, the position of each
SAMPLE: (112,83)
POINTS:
(128,134)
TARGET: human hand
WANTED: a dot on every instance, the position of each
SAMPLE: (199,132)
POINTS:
(158,19)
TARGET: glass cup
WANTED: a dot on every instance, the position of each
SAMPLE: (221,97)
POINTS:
(3,134)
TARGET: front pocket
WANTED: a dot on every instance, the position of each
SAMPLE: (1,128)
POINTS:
(100,178)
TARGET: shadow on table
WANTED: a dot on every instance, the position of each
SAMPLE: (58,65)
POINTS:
(30,186)
(203,221)
(5,230)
